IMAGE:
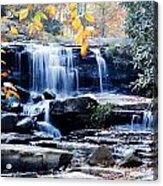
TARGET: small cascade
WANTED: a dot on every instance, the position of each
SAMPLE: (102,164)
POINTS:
(53,68)
(148,119)
(102,68)
(135,120)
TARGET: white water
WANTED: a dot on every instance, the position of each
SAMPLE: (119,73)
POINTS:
(102,69)
(53,67)
(148,119)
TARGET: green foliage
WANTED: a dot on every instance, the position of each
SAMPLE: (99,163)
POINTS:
(141,26)
(100,115)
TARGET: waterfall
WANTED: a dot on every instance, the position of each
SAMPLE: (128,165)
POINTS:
(102,69)
(53,68)
(135,120)
(148,119)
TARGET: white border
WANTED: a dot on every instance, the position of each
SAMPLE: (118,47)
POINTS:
(79,182)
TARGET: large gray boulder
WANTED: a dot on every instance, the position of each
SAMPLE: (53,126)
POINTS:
(72,114)
(102,156)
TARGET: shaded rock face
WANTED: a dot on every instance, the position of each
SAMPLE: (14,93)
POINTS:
(8,122)
(71,114)
(102,156)
(23,93)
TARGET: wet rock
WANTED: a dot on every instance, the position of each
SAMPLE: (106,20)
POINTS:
(102,156)
(16,138)
(25,158)
(8,122)
(3,96)
(72,114)
(49,94)
(130,160)
(16,107)
(47,129)
(36,98)
(26,125)
(64,161)
(23,93)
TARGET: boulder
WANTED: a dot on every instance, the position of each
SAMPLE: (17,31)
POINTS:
(26,125)
(26,158)
(36,98)
(130,160)
(49,94)
(8,122)
(23,93)
(72,113)
(102,156)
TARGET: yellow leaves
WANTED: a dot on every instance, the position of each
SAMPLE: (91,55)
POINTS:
(72,6)
(13,31)
(84,48)
(35,26)
(74,14)
(23,14)
(79,37)
(51,10)
(3,62)
(76,24)
(87,32)
(2,51)
(89,18)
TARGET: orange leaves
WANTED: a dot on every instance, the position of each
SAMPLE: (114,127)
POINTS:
(51,10)
(4,74)
(84,48)
(10,90)
(13,31)
(89,18)
(23,14)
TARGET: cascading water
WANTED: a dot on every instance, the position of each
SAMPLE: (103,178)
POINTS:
(148,119)
(102,68)
(52,67)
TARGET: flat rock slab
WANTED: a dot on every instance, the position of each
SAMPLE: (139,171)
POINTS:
(25,158)
(121,100)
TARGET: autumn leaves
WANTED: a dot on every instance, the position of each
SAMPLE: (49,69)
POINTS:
(81,28)
(82,25)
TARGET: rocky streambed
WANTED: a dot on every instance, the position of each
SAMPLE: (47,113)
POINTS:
(50,137)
